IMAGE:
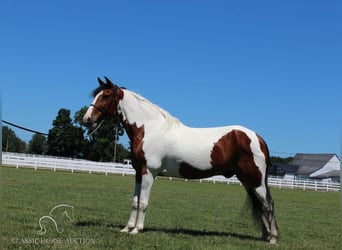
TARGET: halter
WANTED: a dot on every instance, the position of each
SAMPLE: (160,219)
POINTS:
(99,109)
(105,110)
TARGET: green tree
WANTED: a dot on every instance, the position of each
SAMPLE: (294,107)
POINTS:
(11,142)
(65,139)
(122,153)
(37,144)
(78,118)
(277,159)
(100,146)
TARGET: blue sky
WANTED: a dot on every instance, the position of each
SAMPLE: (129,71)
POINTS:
(272,66)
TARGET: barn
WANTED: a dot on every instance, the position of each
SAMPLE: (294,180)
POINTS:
(317,166)
(309,166)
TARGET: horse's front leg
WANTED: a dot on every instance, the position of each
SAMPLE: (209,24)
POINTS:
(133,217)
(141,197)
(145,191)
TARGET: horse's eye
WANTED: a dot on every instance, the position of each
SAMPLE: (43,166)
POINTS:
(105,97)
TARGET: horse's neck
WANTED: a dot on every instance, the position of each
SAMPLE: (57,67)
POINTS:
(137,110)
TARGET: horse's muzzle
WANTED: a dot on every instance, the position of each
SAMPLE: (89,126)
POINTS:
(89,123)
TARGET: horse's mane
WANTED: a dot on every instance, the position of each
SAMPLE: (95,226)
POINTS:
(170,120)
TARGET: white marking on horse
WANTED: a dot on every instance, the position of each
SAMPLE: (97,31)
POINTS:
(90,110)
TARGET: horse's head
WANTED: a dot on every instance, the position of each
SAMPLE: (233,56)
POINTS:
(106,99)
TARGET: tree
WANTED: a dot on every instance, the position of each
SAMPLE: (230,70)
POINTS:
(100,146)
(78,118)
(122,153)
(277,159)
(37,144)
(11,142)
(64,139)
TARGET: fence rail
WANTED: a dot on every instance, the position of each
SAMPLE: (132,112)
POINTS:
(68,164)
(56,163)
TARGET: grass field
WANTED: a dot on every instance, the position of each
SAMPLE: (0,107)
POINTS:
(181,215)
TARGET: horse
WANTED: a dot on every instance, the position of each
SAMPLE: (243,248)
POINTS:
(162,145)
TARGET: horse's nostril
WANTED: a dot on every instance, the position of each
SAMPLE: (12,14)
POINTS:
(87,120)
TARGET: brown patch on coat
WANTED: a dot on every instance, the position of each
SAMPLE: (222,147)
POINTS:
(233,153)
(189,172)
(119,94)
(107,103)
(136,135)
(230,155)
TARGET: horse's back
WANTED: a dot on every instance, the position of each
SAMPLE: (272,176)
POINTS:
(203,148)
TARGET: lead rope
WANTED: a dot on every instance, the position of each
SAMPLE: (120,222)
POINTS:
(97,127)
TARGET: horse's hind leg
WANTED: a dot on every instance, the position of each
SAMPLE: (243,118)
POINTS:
(263,209)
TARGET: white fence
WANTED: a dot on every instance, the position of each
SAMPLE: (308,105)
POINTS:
(67,164)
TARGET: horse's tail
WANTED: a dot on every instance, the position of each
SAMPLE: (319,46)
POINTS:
(255,204)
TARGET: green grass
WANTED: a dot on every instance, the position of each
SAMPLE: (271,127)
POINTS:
(181,215)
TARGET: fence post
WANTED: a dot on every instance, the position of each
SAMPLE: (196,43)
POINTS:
(18,162)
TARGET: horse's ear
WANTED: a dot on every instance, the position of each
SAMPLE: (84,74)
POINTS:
(109,81)
(100,81)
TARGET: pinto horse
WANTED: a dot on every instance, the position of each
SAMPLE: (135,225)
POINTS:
(162,145)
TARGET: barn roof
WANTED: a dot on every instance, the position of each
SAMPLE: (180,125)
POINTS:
(309,163)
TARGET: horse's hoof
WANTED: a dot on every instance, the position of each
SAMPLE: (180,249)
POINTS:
(134,231)
(273,240)
(125,230)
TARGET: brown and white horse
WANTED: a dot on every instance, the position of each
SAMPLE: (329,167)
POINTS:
(161,144)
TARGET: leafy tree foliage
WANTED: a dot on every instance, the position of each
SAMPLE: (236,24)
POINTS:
(78,118)
(69,138)
(10,141)
(277,159)
(100,146)
(122,153)
(37,145)
(64,139)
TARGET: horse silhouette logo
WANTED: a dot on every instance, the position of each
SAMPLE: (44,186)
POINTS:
(56,215)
